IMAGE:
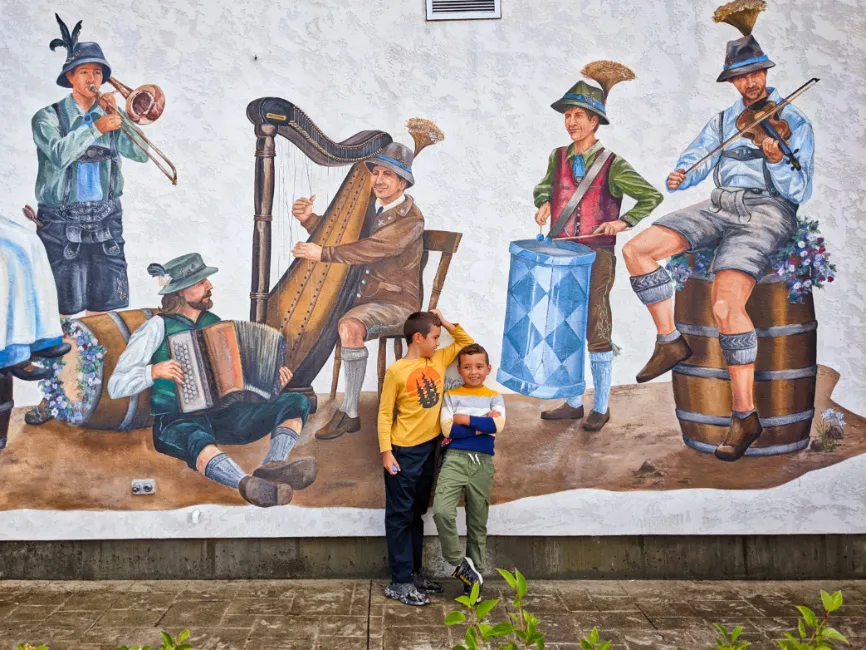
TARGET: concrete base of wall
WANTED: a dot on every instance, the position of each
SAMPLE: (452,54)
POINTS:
(637,557)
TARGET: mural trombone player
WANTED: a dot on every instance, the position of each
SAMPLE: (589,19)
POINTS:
(750,213)
(80,141)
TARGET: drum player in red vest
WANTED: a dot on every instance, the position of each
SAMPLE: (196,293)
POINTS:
(583,191)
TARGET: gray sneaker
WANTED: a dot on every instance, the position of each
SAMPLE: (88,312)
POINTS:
(407,594)
(426,585)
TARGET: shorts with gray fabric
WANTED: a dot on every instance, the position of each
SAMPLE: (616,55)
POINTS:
(745,226)
(380,318)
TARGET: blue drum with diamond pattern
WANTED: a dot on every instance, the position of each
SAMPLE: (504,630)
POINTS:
(545,319)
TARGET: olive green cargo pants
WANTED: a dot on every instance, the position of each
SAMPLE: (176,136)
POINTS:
(470,475)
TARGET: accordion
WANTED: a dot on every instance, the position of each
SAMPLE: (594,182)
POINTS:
(229,361)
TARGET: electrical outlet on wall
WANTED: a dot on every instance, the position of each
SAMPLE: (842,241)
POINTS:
(142,486)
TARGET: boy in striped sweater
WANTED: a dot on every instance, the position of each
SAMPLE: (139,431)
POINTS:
(471,417)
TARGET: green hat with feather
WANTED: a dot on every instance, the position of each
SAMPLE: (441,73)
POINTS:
(181,272)
(592,98)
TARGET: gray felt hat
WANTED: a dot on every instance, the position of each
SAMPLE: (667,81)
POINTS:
(396,157)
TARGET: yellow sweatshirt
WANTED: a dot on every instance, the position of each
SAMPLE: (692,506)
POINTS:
(415,387)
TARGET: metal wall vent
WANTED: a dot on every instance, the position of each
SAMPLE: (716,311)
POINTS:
(463,9)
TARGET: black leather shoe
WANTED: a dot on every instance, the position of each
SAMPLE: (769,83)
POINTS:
(53,352)
(26,371)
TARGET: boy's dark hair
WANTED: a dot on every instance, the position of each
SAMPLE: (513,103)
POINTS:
(421,322)
(469,350)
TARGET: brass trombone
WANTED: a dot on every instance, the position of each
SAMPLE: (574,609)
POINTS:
(144,105)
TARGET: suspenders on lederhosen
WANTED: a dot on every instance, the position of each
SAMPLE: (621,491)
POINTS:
(84,219)
(742,152)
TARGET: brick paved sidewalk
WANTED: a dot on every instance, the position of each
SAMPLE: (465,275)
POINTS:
(354,614)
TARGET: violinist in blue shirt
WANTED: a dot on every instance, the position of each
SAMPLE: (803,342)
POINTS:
(751,212)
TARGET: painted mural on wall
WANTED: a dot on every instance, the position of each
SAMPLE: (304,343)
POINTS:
(223,412)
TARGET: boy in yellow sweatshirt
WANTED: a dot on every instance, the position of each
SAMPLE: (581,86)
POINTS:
(414,385)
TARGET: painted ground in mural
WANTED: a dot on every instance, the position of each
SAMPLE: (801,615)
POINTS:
(56,466)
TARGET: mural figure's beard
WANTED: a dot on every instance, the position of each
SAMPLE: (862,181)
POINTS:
(202,305)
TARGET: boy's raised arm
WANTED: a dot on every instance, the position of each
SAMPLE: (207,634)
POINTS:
(461,339)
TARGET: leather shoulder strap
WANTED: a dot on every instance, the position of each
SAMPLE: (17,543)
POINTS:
(595,168)
(716,171)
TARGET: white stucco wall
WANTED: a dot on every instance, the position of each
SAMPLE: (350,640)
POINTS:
(487,84)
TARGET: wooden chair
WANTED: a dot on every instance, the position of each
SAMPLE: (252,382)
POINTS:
(435,241)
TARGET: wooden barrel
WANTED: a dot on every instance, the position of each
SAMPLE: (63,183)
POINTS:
(785,369)
(112,331)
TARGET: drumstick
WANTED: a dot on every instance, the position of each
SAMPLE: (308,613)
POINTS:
(588,236)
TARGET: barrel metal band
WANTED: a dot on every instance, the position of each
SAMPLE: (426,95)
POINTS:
(762,332)
(715,420)
(760,375)
(132,406)
(773,450)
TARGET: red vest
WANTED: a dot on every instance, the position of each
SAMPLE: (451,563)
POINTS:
(598,205)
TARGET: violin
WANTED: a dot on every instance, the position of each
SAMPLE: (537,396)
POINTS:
(760,124)
(762,128)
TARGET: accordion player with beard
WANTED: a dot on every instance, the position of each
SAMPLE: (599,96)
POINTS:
(227,362)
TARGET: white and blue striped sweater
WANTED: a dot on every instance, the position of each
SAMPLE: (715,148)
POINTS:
(479,436)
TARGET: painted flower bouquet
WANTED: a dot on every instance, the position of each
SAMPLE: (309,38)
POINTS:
(89,376)
(830,429)
(803,263)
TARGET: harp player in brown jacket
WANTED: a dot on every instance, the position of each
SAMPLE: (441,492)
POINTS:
(390,286)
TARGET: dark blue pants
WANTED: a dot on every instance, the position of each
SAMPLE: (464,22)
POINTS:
(185,435)
(90,267)
(406,498)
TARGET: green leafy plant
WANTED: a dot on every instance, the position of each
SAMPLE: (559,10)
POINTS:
(24,646)
(592,642)
(524,625)
(728,640)
(478,631)
(813,632)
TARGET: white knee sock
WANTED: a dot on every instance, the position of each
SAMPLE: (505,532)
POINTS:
(601,365)
(355,365)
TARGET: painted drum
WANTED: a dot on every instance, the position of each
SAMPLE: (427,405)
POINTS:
(543,346)
(97,410)
(785,369)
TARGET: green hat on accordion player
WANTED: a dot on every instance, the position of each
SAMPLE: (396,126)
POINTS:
(181,272)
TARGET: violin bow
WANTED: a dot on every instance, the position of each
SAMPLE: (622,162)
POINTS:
(778,107)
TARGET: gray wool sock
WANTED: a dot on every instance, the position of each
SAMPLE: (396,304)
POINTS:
(355,365)
(224,471)
(667,338)
(282,441)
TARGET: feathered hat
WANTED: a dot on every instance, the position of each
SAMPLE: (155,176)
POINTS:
(743,55)
(180,273)
(77,53)
(399,158)
(592,98)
